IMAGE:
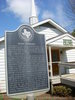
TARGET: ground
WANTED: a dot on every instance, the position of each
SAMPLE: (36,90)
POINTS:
(42,97)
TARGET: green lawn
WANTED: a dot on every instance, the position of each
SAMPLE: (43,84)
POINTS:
(1,98)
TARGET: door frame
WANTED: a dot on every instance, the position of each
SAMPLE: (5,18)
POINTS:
(55,67)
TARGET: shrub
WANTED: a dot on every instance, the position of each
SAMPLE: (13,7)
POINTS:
(61,91)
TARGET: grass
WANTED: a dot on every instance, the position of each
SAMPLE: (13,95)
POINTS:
(1,98)
(45,97)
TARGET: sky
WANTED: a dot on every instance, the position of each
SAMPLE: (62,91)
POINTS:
(13,13)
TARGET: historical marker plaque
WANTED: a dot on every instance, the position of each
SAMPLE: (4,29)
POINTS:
(26,61)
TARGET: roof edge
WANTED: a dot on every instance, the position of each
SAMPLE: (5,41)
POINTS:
(1,39)
(56,38)
(51,22)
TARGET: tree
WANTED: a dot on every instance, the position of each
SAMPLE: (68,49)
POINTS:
(69,12)
(72,3)
(73,33)
(69,8)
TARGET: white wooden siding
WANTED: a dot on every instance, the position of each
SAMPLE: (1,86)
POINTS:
(48,32)
(70,55)
(67,56)
(2,68)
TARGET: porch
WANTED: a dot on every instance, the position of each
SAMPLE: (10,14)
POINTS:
(60,70)
(61,60)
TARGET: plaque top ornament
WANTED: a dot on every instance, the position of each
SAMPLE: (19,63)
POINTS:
(26,33)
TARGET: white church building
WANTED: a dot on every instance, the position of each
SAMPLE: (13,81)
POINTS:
(60,49)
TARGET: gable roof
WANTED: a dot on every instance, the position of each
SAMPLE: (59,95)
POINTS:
(50,21)
(59,37)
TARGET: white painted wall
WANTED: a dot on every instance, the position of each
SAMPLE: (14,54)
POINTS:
(2,68)
(48,32)
(68,55)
